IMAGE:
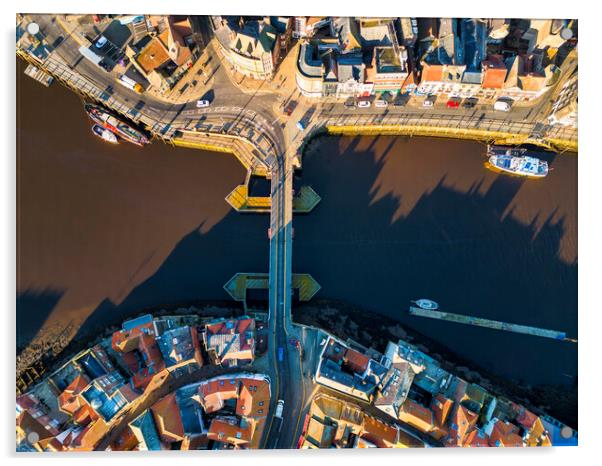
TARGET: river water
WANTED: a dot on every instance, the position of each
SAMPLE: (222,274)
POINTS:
(106,231)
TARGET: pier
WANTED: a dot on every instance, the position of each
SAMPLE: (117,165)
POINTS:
(239,199)
(492,324)
(39,75)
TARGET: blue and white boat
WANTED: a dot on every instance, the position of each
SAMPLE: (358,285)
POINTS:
(104,134)
(513,160)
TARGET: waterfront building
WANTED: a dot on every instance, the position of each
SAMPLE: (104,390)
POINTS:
(179,345)
(349,371)
(394,388)
(137,344)
(230,342)
(254,47)
(388,70)
(164,58)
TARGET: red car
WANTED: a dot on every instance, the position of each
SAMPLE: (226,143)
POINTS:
(451,103)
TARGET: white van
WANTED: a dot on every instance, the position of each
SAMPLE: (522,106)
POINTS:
(502,106)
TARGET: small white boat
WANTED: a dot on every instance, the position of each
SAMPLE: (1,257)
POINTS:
(522,166)
(427,304)
(104,134)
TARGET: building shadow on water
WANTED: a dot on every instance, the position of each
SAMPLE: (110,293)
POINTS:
(456,241)
(33,308)
(195,271)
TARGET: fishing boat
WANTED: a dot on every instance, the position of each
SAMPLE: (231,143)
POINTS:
(513,160)
(104,134)
(115,124)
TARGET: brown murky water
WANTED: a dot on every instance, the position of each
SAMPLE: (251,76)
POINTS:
(109,230)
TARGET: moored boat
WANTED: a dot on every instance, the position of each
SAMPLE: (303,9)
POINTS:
(104,134)
(513,160)
(116,125)
(522,166)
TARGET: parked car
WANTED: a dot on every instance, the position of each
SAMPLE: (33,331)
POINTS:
(290,108)
(381,104)
(349,103)
(363,103)
(301,125)
(429,101)
(470,102)
(502,106)
(400,101)
(453,103)
(280,354)
(202,103)
(101,42)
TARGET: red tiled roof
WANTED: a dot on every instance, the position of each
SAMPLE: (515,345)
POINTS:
(494,73)
(141,338)
(71,401)
(228,430)
(417,415)
(461,422)
(356,361)
(238,326)
(431,73)
(167,418)
(526,418)
(441,407)
(379,433)
(476,438)
(213,393)
(254,398)
(505,434)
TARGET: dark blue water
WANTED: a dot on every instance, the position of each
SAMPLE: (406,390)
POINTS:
(406,219)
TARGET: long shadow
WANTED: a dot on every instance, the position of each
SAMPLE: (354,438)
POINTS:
(196,270)
(33,308)
(458,243)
